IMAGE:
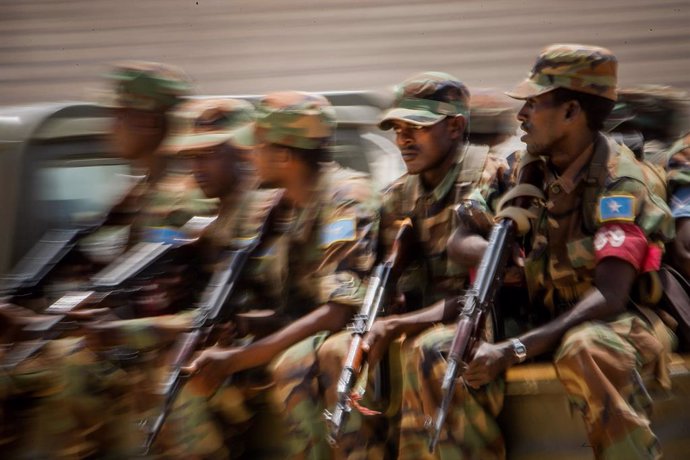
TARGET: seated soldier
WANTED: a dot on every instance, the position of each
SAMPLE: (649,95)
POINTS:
(430,119)
(600,228)
(309,270)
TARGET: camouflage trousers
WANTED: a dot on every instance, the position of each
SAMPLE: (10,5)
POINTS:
(471,431)
(305,377)
(62,404)
(601,366)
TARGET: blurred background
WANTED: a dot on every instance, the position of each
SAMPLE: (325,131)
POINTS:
(54,50)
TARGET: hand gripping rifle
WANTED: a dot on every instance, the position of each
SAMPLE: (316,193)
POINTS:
(374,299)
(212,309)
(109,281)
(479,299)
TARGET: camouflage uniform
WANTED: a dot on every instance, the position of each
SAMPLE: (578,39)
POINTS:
(196,126)
(309,256)
(477,175)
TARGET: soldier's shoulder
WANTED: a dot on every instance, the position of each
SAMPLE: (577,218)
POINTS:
(347,185)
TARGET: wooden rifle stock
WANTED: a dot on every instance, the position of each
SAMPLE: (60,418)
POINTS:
(477,302)
(362,323)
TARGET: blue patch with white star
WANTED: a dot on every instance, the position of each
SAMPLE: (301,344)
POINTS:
(617,208)
(680,203)
(339,230)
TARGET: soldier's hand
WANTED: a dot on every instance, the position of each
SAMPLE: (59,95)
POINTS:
(377,340)
(489,361)
(211,368)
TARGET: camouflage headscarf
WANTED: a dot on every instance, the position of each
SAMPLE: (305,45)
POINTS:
(583,68)
(146,86)
(293,119)
(198,124)
(425,99)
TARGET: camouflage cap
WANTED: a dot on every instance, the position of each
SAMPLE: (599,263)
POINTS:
(427,98)
(293,119)
(583,68)
(492,112)
(146,86)
(202,123)
(658,112)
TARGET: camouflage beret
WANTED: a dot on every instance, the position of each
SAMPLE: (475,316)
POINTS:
(492,112)
(147,86)
(202,123)
(426,98)
(583,68)
(293,119)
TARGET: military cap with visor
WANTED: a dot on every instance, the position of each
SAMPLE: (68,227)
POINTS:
(583,68)
(146,86)
(427,98)
(204,123)
(292,119)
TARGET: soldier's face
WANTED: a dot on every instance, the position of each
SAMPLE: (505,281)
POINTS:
(542,122)
(137,133)
(214,170)
(270,162)
(424,148)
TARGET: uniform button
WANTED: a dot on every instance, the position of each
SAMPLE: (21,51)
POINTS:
(555,189)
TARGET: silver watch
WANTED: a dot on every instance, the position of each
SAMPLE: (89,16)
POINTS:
(519,349)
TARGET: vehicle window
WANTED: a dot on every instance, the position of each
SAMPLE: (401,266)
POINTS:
(67,194)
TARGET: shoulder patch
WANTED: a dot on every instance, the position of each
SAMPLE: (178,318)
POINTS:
(617,208)
(338,230)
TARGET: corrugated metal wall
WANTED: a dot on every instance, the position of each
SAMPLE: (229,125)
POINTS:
(57,49)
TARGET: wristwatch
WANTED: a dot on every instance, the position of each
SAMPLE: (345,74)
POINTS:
(519,349)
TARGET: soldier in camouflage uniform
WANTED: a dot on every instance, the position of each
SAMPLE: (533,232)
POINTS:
(678,167)
(201,133)
(430,118)
(310,270)
(84,406)
(600,227)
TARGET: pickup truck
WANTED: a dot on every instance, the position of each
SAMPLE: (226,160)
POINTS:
(55,167)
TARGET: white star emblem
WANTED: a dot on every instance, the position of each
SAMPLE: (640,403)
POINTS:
(614,206)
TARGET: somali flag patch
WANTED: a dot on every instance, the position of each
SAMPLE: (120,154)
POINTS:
(338,230)
(617,208)
(680,203)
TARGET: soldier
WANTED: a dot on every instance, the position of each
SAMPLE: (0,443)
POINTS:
(311,268)
(80,403)
(430,118)
(600,228)
(679,188)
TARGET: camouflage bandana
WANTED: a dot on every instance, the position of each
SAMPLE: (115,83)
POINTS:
(583,68)
(146,86)
(427,98)
(293,119)
(203,123)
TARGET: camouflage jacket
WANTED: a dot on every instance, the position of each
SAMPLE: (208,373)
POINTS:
(560,266)
(478,176)
(318,254)
(678,168)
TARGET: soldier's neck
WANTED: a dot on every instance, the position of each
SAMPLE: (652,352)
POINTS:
(570,150)
(301,186)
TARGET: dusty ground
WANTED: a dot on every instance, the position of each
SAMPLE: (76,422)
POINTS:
(57,49)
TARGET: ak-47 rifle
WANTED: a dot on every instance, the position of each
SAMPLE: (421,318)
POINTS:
(53,246)
(379,282)
(212,309)
(109,281)
(477,303)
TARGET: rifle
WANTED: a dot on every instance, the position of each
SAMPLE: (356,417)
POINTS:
(109,281)
(53,246)
(477,302)
(212,309)
(362,323)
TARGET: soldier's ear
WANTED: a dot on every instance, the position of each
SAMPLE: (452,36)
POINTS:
(572,109)
(457,125)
